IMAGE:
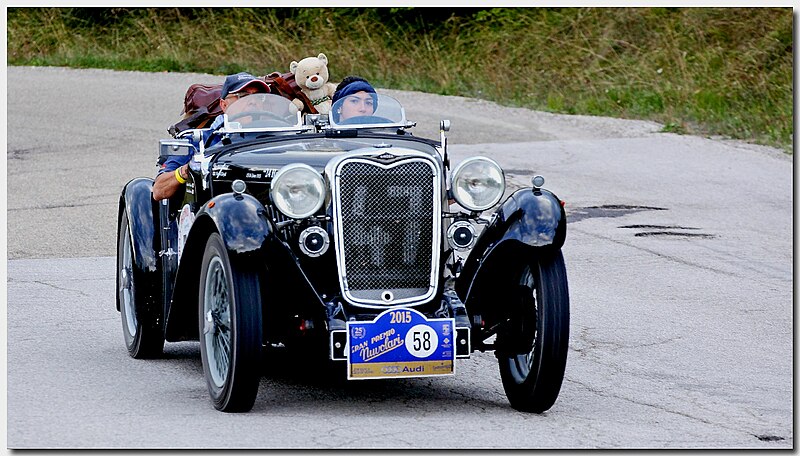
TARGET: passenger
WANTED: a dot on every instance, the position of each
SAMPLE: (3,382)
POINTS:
(360,99)
(175,170)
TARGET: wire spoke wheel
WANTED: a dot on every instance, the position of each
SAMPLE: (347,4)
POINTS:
(126,286)
(216,336)
(230,328)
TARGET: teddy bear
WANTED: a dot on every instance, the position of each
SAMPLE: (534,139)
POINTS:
(311,75)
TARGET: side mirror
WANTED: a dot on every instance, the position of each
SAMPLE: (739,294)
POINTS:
(171,147)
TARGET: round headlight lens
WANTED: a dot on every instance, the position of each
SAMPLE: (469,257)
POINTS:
(478,183)
(298,190)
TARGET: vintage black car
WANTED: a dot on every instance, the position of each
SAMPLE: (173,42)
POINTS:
(349,235)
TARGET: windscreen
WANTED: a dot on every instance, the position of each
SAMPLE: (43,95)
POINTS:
(260,110)
(364,108)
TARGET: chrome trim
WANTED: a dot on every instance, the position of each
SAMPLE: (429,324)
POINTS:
(276,180)
(238,186)
(326,241)
(332,347)
(468,339)
(406,156)
(293,128)
(169,147)
(451,232)
(340,127)
(457,171)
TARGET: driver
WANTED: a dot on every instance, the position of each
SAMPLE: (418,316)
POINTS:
(360,99)
(175,170)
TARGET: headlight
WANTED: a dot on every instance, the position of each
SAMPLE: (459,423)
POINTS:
(298,190)
(478,183)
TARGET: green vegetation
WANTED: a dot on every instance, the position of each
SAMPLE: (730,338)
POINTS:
(722,71)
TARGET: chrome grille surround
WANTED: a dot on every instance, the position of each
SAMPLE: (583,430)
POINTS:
(387,227)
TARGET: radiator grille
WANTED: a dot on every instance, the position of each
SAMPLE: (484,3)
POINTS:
(388,220)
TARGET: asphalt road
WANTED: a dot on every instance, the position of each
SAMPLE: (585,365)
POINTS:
(679,253)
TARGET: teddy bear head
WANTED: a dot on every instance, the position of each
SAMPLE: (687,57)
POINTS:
(311,72)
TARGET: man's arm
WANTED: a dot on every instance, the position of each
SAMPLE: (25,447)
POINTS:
(167,184)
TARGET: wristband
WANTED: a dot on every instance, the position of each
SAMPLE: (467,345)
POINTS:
(178,176)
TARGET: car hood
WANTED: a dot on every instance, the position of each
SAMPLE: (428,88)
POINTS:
(259,159)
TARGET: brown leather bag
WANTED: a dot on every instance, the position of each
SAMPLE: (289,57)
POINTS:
(201,102)
(201,96)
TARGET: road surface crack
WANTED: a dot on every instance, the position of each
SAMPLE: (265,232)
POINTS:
(61,206)
(603,393)
(664,256)
(61,288)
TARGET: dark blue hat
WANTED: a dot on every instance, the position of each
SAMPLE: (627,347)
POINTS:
(238,81)
(353,87)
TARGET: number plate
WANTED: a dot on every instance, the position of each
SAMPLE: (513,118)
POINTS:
(400,343)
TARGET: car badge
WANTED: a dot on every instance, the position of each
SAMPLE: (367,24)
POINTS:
(386,156)
(220,170)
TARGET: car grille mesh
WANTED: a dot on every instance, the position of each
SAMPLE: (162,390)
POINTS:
(387,225)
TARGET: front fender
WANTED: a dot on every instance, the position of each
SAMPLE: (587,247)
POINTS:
(529,220)
(240,219)
(241,222)
(533,217)
(137,201)
(249,235)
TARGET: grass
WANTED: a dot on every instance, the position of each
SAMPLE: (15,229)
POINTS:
(715,71)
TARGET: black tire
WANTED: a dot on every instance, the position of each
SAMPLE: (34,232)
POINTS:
(142,325)
(532,348)
(230,328)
